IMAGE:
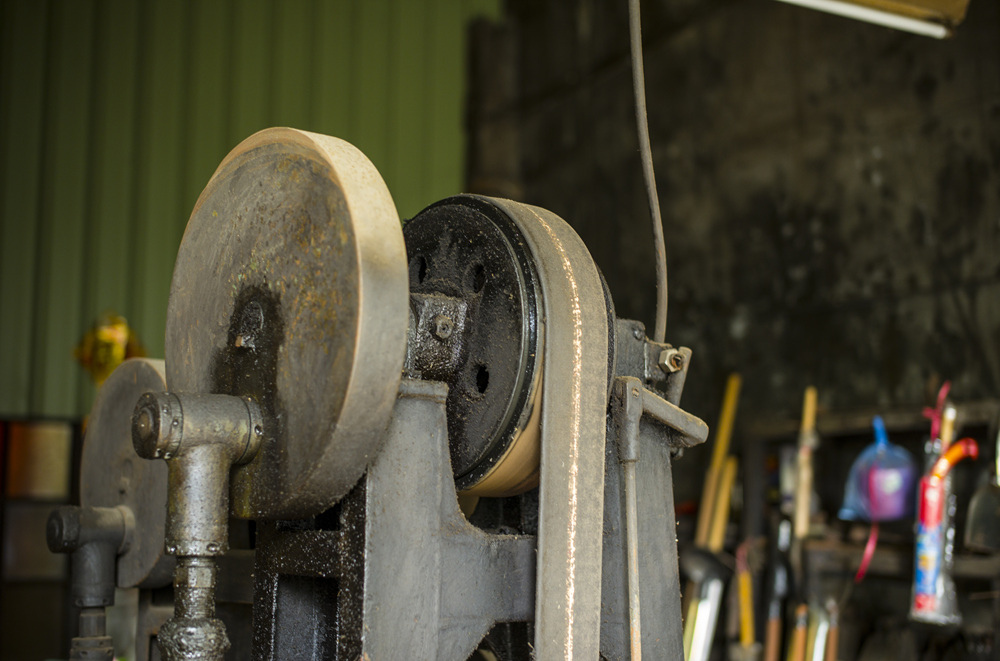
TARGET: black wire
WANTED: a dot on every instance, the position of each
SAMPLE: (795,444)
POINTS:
(646,153)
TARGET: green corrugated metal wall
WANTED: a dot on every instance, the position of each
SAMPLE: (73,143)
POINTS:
(114,114)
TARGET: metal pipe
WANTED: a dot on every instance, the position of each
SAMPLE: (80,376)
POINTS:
(630,399)
(201,436)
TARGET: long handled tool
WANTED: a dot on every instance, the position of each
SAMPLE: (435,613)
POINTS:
(808,440)
(797,646)
(713,513)
(710,576)
(804,466)
(748,648)
(778,590)
(724,433)
(833,635)
(699,629)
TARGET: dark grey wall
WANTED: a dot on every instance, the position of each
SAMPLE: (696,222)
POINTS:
(829,188)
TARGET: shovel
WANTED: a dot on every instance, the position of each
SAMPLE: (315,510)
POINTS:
(982,531)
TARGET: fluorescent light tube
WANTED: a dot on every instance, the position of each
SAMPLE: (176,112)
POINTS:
(869,15)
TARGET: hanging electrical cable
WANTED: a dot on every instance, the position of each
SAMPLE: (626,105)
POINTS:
(646,154)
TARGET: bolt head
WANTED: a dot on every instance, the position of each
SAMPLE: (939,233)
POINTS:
(62,531)
(146,427)
(443,326)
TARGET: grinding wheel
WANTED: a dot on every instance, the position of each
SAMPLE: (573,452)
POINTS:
(112,475)
(290,287)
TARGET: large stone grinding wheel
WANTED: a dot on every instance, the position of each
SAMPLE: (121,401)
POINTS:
(290,287)
(111,475)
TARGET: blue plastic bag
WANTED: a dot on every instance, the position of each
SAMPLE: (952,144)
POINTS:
(881,481)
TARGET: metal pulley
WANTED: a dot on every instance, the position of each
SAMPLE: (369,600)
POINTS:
(471,269)
(529,300)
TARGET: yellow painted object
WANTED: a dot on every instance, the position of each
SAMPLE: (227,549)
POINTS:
(724,433)
(746,608)
(712,512)
(804,467)
(717,532)
(106,346)
(692,613)
(808,423)
(947,432)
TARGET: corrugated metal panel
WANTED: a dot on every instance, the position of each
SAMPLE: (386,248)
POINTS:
(113,115)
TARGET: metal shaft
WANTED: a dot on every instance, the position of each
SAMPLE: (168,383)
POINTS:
(632,537)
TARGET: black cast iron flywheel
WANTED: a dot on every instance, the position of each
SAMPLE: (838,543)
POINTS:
(466,247)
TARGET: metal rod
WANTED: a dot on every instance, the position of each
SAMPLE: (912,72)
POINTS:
(630,397)
(632,537)
(646,153)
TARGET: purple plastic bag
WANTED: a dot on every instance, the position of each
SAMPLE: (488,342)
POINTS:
(881,482)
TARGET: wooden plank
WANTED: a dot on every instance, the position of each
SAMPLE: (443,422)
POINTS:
(370,85)
(107,243)
(445,97)
(406,174)
(332,73)
(161,213)
(23,26)
(208,112)
(57,322)
(251,74)
(293,78)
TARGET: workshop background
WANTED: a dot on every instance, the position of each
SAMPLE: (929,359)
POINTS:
(830,189)
(831,202)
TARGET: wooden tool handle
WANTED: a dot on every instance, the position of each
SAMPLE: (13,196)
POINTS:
(745,586)
(797,649)
(720,517)
(948,427)
(804,465)
(808,423)
(723,434)
(772,639)
(831,642)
